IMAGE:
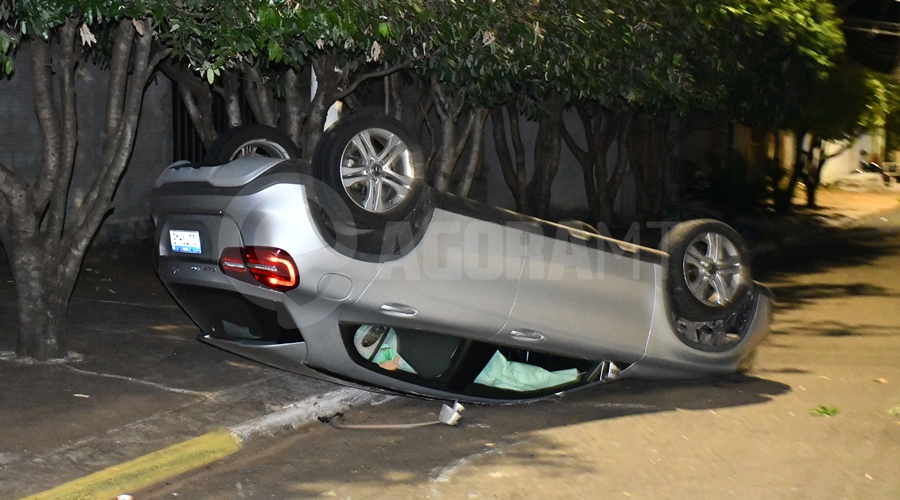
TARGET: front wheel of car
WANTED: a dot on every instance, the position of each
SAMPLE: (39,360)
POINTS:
(250,141)
(373,165)
(708,270)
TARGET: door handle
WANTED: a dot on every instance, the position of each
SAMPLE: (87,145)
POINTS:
(393,309)
(529,335)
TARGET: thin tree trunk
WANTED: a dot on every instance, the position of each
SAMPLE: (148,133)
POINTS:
(293,114)
(498,126)
(259,96)
(453,136)
(610,189)
(197,97)
(476,146)
(783,199)
(586,158)
(515,133)
(230,91)
(327,82)
(547,150)
(393,96)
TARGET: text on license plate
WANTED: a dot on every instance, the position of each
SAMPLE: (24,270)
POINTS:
(184,241)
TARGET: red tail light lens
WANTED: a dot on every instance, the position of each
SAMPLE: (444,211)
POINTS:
(272,267)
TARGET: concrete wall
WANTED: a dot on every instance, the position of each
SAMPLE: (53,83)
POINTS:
(21,145)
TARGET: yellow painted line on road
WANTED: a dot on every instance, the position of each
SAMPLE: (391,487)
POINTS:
(147,470)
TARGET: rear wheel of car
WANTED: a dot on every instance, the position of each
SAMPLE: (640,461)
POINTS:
(708,270)
(249,141)
(374,166)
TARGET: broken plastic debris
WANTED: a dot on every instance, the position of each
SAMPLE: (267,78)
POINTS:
(881,380)
(124,497)
(451,416)
(80,395)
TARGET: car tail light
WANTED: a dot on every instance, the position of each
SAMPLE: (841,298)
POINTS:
(272,267)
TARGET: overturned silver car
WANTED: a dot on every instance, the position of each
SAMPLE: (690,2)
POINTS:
(350,268)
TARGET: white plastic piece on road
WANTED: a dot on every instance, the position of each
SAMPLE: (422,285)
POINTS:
(451,416)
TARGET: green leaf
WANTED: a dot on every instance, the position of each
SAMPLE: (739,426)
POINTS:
(823,411)
(210,75)
(384,30)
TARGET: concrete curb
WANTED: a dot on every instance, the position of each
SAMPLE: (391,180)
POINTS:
(305,411)
(194,453)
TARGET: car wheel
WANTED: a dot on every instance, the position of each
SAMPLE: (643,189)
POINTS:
(250,140)
(708,270)
(373,165)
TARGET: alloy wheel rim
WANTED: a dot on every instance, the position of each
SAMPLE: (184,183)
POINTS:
(377,170)
(260,147)
(712,269)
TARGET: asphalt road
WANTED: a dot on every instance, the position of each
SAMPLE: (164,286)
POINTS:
(810,421)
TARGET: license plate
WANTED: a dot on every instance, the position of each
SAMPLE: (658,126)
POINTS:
(184,241)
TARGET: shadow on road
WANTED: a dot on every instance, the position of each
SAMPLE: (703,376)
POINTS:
(418,457)
(849,248)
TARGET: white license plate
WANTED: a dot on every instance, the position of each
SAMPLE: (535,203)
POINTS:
(184,241)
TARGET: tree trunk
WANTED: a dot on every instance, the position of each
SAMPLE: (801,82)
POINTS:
(784,198)
(293,115)
(327,82)
(44,244)
(586,158)
(197,97)
(476,146)
(498,122)
(393,96)
(546,152)
(453,136)
(258,90)
(814,177)
(611,182)
(42,298)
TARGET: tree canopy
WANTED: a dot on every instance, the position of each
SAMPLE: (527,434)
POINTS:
(627,67)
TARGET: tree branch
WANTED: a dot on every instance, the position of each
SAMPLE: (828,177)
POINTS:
(97,202)
(368,76)
(476,136)
(60,195)
(259,96)
(118,77)
(196,96)
(48,120)
(498,127)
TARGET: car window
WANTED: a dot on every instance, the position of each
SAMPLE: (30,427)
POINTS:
(462,366)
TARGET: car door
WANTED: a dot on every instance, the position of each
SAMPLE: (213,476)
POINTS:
(582,295)
(460,279)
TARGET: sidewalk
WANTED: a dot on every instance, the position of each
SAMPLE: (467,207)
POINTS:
(143,383)
(140,382)
(837,210)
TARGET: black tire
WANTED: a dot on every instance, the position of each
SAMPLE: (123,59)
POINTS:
(374,168)
(250,140)
(708,270)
